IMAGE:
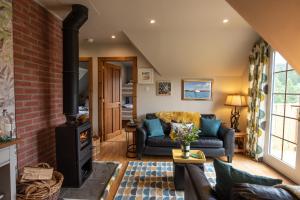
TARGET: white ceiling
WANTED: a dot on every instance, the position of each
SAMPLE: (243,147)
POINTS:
(189,38)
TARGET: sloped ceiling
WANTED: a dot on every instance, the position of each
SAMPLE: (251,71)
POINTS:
(188,38)
(277,21)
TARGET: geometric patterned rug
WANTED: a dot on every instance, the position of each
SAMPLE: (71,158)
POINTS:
(153,181)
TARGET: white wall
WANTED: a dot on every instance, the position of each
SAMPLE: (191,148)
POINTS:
(147,101)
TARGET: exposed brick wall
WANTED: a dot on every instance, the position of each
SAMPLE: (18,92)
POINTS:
(37,39)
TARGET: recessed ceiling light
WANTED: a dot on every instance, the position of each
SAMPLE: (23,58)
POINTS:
(152,21)
(225,21)
(113,37)
(90,40)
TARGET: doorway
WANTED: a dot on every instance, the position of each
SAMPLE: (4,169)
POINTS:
(86,87)
(117,94)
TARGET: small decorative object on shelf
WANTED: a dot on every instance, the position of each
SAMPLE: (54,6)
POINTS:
(185,135)
(237,101)
(5,138)
(6,125)
(132,123)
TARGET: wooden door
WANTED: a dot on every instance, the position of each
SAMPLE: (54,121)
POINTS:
(111,101)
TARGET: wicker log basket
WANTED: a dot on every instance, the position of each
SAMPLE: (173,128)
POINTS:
(40,189)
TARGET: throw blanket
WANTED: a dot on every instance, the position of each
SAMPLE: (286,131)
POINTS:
(292,189)
(180,117)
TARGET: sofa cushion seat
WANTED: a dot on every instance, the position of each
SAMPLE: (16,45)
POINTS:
(161,141)
(203,142)
(207,142)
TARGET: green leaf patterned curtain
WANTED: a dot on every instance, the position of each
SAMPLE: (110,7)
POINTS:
(257,100)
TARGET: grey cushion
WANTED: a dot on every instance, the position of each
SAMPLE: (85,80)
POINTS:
(203,142)
(245,191)
(161,141)
(208,142)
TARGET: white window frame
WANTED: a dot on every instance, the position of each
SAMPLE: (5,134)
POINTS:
(291,172)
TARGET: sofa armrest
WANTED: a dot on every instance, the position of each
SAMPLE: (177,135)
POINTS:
(227,135)
(141,136)
(196,184)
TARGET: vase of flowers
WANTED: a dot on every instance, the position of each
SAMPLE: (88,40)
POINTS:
(185,135)
(185,151)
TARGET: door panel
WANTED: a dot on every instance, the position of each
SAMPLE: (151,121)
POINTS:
(117,117)
(112,105)
(282,141)
(116,85)
(108,123)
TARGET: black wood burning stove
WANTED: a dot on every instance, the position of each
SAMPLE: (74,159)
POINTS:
(74,153)
(73,140)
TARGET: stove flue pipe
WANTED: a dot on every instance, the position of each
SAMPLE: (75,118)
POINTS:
(71,25)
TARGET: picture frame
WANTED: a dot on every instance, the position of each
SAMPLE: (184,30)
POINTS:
(196,89)
(163,88)
(145,76)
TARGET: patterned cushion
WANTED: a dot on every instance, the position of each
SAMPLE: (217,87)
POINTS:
(178,126)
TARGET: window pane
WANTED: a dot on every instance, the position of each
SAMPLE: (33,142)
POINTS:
(277,126)
(278,104)
(276,147)
(292,106)
(293,82)
(291,130)
(280,63)
(279,82)
(289,153)
(290,67)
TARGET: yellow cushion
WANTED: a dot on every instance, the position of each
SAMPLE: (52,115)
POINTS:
(181,117)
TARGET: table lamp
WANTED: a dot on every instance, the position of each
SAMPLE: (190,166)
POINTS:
(236,101)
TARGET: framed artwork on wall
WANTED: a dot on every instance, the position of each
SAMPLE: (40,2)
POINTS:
(196,89)
(163,88)
(145,76)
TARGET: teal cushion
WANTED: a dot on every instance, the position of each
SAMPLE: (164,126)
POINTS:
(227,177)
(154,127)
(210,127)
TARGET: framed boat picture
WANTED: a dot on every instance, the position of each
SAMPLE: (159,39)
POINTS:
(196,89)
(145,76)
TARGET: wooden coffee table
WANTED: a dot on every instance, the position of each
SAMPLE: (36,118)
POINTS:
(179,164)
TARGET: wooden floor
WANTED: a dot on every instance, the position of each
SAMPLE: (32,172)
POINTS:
(115,150)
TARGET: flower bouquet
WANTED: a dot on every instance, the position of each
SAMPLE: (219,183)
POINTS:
(185,135)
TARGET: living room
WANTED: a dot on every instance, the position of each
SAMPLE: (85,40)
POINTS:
(211,100)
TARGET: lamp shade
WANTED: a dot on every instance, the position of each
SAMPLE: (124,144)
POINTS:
(235,100)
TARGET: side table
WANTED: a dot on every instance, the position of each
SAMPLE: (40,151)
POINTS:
(131,146)
(179,164)
(240,142)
